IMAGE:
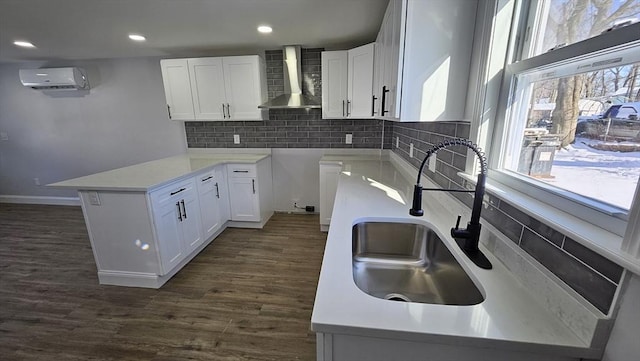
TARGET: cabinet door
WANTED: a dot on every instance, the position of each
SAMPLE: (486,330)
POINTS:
(329,175)
(209,197)
(223,193)
(243,199)
(334,84)
(437,69)
(168,230)
(243,87)
(191,225)
(395,37)
(177,88)
(207,86)
(360,83)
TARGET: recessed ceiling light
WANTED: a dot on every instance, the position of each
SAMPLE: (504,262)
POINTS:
(24,44)
(264,29)
(137,37)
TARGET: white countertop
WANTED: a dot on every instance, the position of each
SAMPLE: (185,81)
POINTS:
(509,318)
(154,174)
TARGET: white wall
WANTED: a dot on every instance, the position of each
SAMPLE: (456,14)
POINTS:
(296,174)
(624,342)
(56,136)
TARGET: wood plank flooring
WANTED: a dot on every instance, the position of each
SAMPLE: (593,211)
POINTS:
(247,296)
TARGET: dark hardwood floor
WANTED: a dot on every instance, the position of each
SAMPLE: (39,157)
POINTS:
(247,296)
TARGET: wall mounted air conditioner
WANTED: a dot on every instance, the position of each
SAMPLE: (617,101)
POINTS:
(55,78)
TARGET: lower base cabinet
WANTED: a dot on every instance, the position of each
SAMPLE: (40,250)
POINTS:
(338,347)
(213,199)
(142,239)
(250,191)
(329,175)
(176,214)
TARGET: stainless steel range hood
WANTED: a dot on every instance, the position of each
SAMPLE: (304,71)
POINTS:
(293,97)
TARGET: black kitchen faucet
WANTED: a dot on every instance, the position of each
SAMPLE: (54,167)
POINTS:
(466,238)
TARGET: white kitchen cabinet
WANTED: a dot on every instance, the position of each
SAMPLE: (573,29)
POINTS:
(347,88)
(176,214)
(244,199)
(423,69)
(207,87)
(250,193)
(334,84)
(146,222)
(329,175)
(388,46)
(220,88)
(245,86)
(220,173)
(177,89)
(208,185)
(360,82)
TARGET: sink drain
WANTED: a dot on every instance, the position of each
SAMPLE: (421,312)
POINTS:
(397,297)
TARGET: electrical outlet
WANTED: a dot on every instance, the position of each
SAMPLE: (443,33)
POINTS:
(236,139)
(410,150)
(349,139)
(397,142)
(36,181)
(94,198)
(432,162)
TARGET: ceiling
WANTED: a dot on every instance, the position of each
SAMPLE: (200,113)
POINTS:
(95,29)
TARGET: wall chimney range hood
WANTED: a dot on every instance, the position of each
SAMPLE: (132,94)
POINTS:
(293,98)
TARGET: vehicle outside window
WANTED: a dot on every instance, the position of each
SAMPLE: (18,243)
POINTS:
(571,127)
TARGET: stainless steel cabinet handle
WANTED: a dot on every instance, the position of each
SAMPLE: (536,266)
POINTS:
(184,210)
(343,108)
(228,111)
(179,211)
(206,179)
(217,191)
(348,106)
(169,110)
(253,184)
(373,105)
(240,171)
(178,191)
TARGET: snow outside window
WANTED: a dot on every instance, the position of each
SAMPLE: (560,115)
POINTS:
(567,131)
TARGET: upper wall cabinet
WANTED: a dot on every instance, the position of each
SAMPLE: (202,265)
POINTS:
(224,88)
(423,59)
(347,83)
(177,89)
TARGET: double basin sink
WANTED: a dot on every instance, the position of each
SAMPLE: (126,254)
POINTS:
(409,262)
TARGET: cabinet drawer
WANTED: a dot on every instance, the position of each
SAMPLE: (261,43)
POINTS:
(242,170)
(206,181)
(174,190)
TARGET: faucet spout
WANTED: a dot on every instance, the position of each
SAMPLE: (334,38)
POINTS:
(467,238)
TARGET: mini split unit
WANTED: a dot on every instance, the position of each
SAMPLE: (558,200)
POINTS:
(55,78)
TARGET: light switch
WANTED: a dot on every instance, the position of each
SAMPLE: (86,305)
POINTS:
(397,142)
(236,139)
(349,139)
(410,150)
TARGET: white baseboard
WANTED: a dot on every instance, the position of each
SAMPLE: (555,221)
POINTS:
(56,201)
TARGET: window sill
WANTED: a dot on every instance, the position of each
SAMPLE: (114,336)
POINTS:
(598,240)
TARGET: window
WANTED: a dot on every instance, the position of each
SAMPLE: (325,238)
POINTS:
(568,130)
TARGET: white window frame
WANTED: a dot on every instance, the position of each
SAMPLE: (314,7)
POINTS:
(492,133)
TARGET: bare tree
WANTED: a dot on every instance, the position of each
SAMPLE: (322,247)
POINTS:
(581,16)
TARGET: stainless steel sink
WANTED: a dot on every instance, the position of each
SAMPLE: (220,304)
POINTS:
(409,262)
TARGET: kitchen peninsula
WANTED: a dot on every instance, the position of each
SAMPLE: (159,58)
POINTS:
(147,221)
